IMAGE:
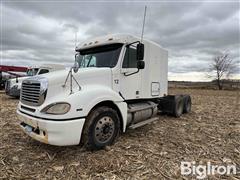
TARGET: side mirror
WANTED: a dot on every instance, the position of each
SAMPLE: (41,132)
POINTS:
(140,51)
(75,67)
(140,64)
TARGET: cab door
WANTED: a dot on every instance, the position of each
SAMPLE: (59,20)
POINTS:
(130,79)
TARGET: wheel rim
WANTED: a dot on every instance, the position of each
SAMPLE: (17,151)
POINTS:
(104,129)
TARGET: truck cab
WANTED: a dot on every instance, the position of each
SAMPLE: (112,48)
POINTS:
(117,83)
(13,86)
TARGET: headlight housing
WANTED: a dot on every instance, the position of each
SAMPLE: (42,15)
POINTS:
(57,108)
(15,86)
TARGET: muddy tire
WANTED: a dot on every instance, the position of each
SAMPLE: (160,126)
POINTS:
(101,128)
(178,109)
(187,104)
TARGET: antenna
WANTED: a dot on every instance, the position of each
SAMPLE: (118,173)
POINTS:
(75,39)
(145,10)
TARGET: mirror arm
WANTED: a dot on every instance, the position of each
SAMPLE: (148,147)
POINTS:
(125,74)
(132,43)
(71,78)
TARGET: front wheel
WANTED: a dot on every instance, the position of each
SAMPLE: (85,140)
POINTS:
(101,128)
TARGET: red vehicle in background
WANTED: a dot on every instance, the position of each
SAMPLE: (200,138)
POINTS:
(12,71)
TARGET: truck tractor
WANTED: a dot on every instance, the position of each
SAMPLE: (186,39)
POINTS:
(117,82)
(13,86)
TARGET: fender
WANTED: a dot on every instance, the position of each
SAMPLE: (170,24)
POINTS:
(91,95)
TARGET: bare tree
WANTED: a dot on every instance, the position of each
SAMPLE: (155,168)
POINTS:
(222,67)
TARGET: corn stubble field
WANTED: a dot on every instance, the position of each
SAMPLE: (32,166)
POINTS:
(211,132)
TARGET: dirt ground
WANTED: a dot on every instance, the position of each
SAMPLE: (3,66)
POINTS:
(211,132)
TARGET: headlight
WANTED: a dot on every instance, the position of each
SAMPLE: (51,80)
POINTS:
(15,87)
(57,108)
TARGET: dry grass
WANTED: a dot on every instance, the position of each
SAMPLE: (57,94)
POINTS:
(211,132)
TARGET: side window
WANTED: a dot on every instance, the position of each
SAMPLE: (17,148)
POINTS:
(43,71)
(130,58)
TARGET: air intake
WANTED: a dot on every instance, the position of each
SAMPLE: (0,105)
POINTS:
(33,92)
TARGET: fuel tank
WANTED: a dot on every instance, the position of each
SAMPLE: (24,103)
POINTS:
(141,111)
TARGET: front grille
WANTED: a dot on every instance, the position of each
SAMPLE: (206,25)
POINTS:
(30,93)
(34,91)
(7,86)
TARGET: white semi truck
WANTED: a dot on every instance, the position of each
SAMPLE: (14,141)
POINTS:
(13,86)
(118,82)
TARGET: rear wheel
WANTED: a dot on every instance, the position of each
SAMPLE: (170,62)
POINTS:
(187,104)
(178,109)
(101,128)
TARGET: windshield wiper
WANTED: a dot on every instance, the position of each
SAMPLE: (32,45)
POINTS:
(89,60)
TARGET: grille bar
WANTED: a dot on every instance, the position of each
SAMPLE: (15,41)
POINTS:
(32,84)
(32,96)
(32,87)
(30,100)
(30,90)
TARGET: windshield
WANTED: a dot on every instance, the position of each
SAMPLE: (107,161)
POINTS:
(32,72)
(103,56)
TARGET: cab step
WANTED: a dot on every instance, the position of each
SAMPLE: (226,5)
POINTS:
(142,123)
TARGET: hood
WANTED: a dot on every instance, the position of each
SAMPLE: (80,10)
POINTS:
(17,81)
(82,76)
(87,78)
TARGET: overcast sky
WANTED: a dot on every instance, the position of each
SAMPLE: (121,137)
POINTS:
(34,32)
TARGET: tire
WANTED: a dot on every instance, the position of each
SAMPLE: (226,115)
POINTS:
(101,128)
(178,109)
(187,104)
